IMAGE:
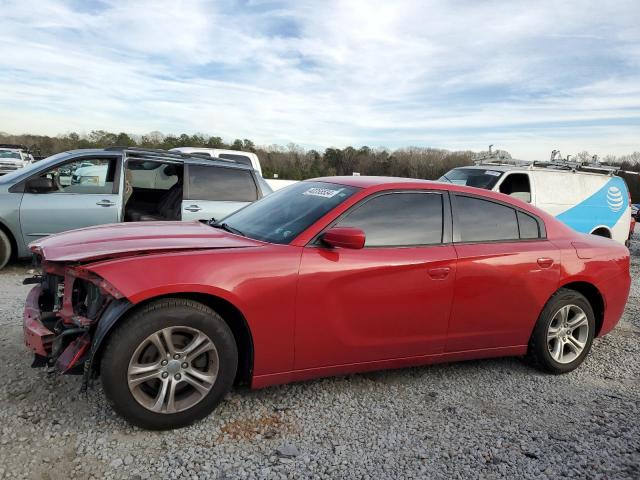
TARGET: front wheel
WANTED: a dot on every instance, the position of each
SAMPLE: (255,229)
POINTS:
(563,334)
(169,364)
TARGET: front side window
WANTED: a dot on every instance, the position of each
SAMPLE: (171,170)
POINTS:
(517,185)
(221,184)
(283,215)
(87,175)
(398,219)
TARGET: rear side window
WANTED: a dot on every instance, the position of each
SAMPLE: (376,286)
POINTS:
(399,219)
(529,227)
(484,221)
(221,184)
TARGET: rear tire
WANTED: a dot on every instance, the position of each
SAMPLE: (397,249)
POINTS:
(169,364)
(5,249)
(563,334)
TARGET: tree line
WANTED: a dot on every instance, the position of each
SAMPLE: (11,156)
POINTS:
(292,161)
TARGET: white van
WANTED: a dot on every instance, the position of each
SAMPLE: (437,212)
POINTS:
(587,198)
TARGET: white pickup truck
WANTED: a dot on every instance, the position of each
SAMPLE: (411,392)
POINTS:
(13,157)
(245,158)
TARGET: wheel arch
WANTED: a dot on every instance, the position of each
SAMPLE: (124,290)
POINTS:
(602,231)
(230,313)
(593,296)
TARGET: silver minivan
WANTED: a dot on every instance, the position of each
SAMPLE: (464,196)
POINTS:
(81,188)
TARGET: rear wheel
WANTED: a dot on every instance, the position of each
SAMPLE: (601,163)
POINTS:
(563,334)
(169,364)
(5,249)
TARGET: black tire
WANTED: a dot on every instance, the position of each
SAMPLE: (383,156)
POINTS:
(538,353)
(5,249)
(132,332)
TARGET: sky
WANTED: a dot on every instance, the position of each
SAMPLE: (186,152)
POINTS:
(525,76)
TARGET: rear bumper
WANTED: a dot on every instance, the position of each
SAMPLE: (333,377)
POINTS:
(37,337)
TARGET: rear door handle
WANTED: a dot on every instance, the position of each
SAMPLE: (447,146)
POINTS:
(193,208)
(545,262)
(439,273)
(105,203)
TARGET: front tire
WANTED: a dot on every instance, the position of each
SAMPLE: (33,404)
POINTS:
(169,364)
(563,334)
(5,249)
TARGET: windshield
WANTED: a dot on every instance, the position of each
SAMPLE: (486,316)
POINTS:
(472,177)
(284,214)
(10,154)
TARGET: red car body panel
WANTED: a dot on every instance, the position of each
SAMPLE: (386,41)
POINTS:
(500,289)
(108,241)
(315,311)
(375,304)
(263,289)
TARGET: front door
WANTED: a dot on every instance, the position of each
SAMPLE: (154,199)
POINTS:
(84,192)
(388,300)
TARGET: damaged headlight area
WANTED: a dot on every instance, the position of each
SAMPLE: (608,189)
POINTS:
(61,315)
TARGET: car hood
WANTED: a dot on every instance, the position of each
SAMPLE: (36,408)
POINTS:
(124,239)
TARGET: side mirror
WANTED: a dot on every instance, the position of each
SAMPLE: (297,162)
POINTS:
(344,237)
(40,185)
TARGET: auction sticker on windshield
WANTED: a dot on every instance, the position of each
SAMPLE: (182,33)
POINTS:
(322,192)
(491,172)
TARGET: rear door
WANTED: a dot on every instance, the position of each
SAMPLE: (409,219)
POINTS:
(389,300)
(506,272)
(86,192)
(214,192)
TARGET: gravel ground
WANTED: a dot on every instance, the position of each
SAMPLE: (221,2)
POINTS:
(489,419)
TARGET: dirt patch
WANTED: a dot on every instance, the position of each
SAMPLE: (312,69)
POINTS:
(265,426)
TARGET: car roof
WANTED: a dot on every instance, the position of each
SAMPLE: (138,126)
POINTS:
(497,168)
(145,154)
(390,183)
(370,181)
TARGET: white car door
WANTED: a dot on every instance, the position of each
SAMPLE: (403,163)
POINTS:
(215,192)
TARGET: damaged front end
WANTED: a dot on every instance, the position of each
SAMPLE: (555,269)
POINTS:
(62,314)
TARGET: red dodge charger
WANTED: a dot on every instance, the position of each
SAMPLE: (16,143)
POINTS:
(326,277)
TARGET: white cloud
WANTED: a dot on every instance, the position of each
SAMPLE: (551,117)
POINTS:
(449,74)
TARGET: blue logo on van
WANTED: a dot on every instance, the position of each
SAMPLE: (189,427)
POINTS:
(605,207)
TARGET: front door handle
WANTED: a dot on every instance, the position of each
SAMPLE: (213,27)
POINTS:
(439,273)
(105,203)
(545,262)
(193,208)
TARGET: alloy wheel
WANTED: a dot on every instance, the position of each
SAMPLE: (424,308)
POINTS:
(567,334)
(173,369)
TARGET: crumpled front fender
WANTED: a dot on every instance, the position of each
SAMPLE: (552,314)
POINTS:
(107,322)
